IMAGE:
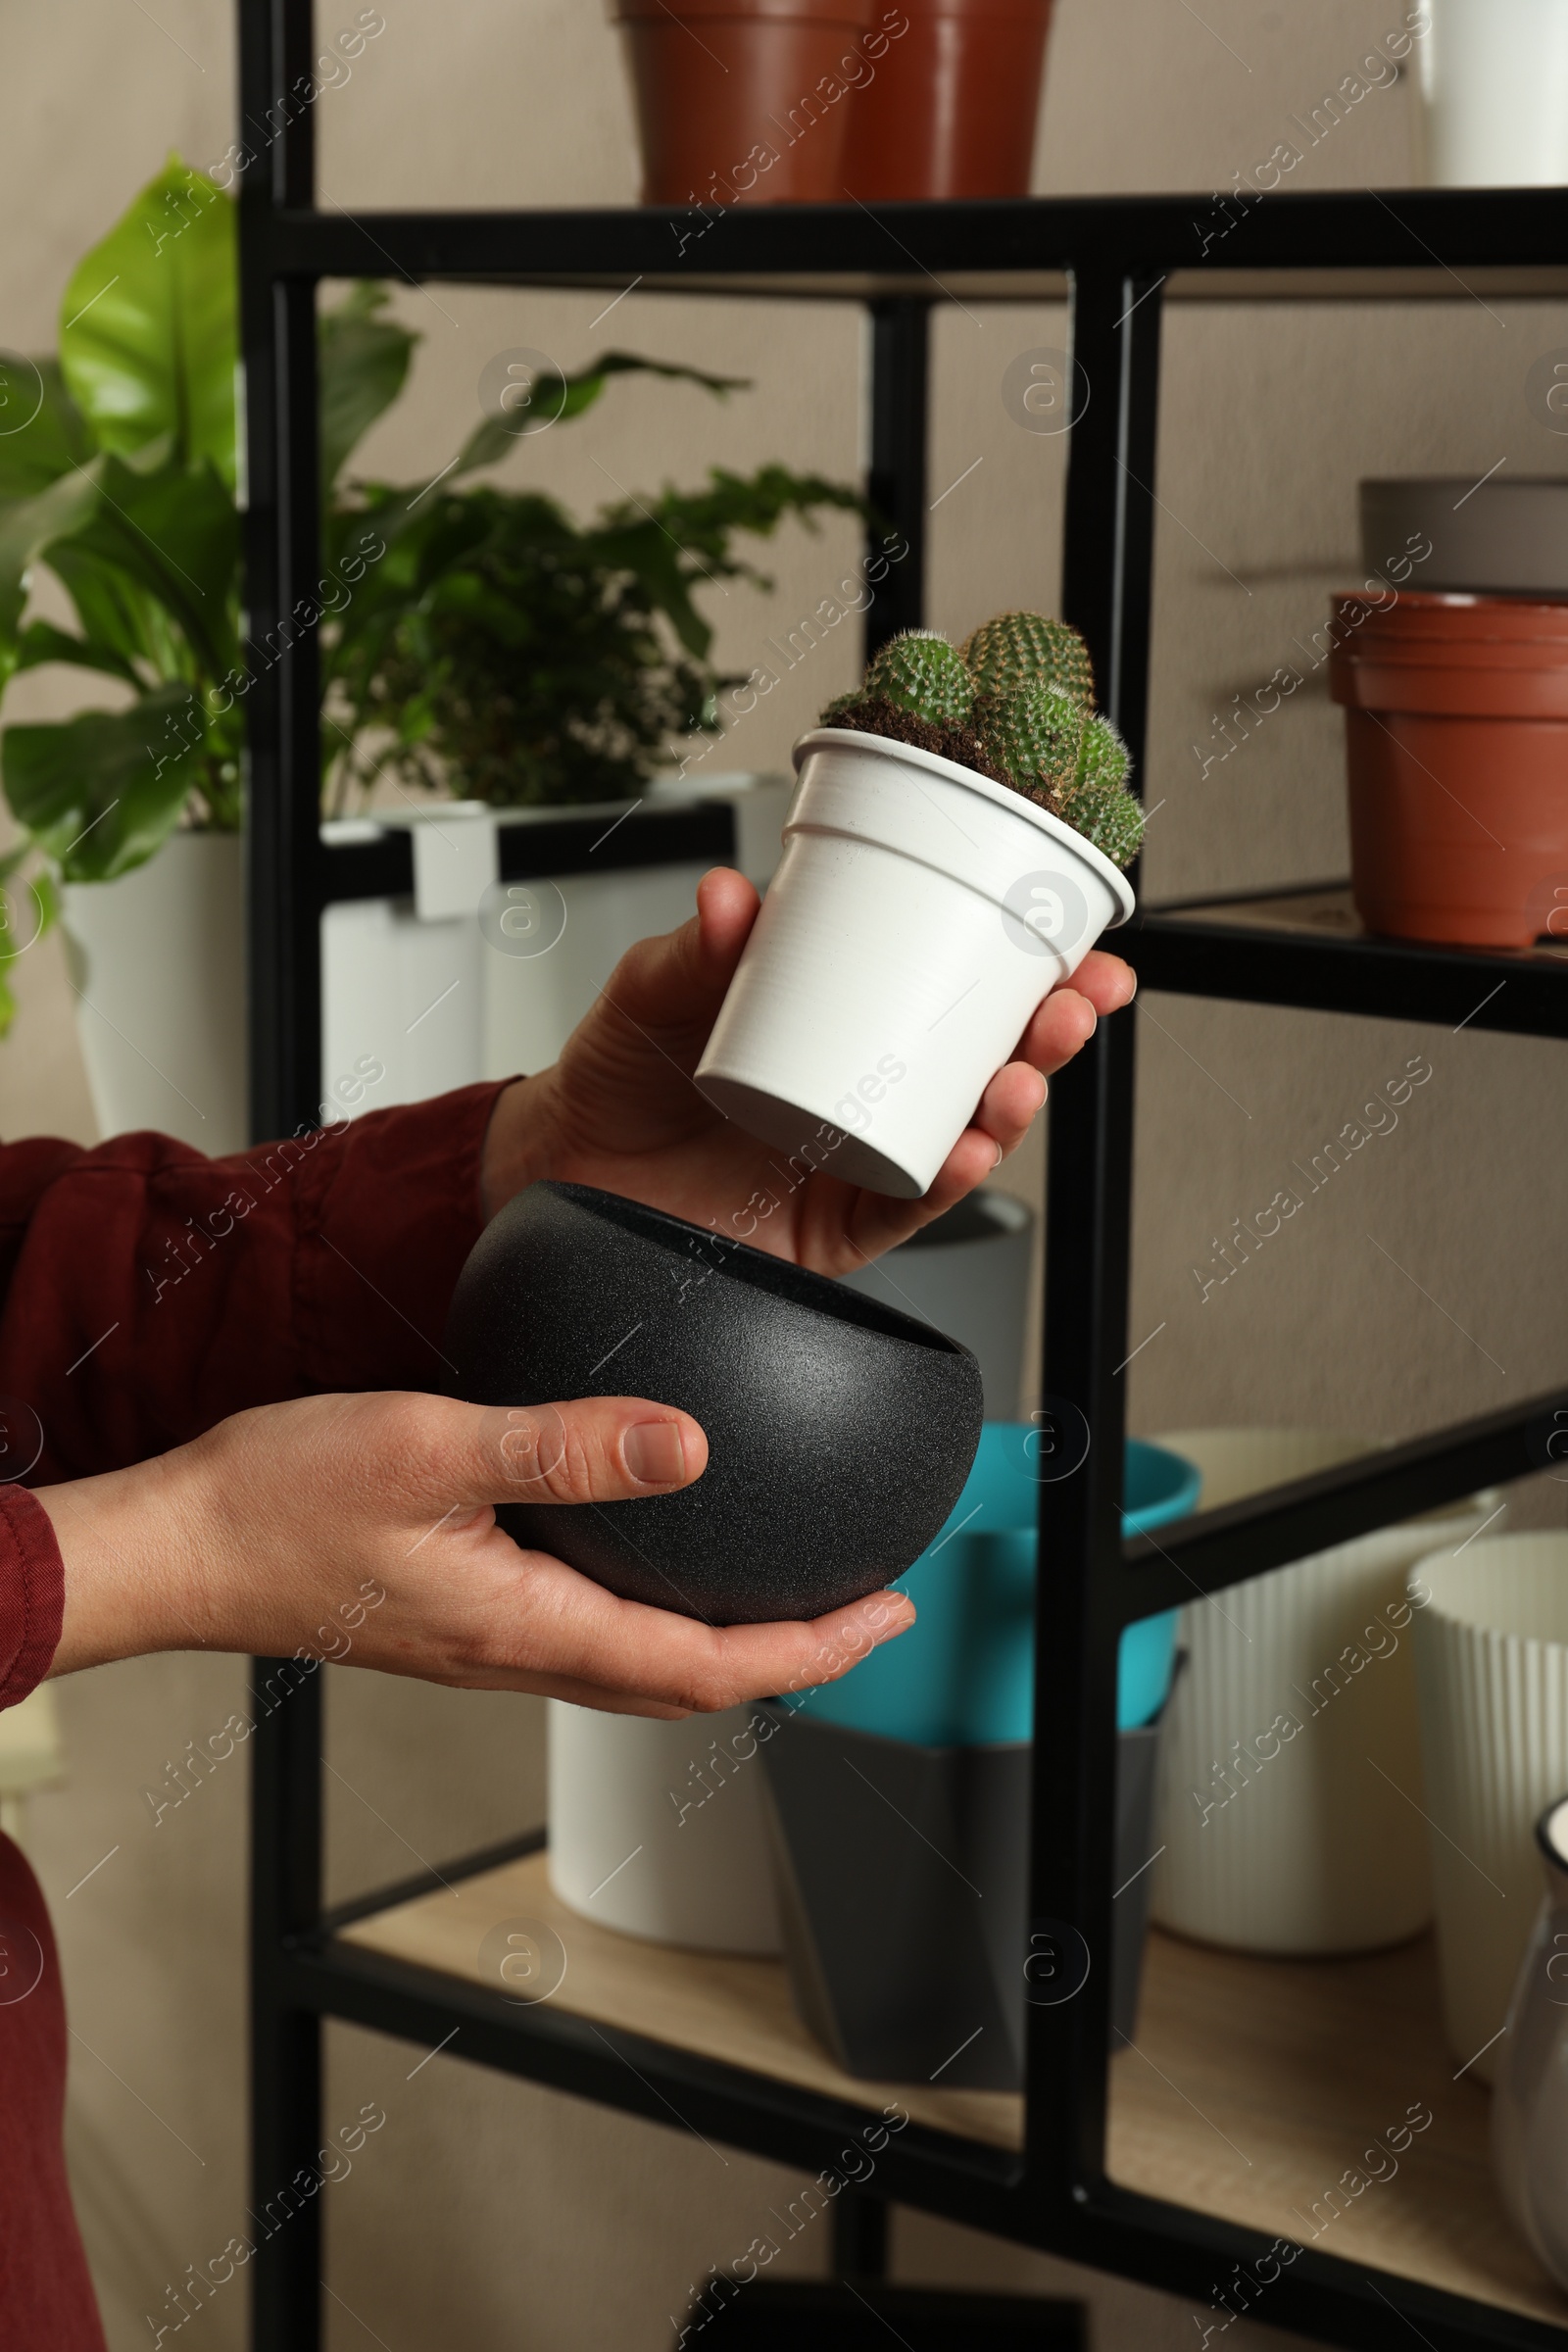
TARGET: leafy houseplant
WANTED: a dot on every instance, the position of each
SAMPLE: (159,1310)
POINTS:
(498,646)
(518,657)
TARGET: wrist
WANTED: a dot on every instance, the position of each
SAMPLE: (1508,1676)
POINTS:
(522,1142)
(132,1557)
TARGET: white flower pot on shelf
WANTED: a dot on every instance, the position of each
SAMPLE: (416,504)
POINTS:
(1492,1666)
(659,1828)
(1494,94)
(439,998)
(1290,1763)
(919,914)
(156,960)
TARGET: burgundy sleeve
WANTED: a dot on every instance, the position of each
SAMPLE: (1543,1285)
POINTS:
(31,1593)
(149,1293)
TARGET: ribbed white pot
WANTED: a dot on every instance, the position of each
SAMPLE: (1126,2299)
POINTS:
(1495,93)
(1291,1771)
(156,960)
(658,1829)
(918,916)
(1492,1662)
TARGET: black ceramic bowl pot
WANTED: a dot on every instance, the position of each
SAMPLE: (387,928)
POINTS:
(839,1432)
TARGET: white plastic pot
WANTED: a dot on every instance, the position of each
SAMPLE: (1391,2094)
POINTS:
(1495,93)
(1277,1833)
(156,960)
(1492,1665)
(918,916)
(658,1829)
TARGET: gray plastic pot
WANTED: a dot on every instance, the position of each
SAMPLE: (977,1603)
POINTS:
(907,1945)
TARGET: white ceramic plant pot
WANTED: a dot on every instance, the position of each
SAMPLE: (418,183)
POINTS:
(1278,1833)
(918,916)
(158,962)
(1495,93)
(1492,1666)
(658,1829)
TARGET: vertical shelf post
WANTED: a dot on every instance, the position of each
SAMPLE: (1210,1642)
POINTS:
(900,336)
(1106,594)
(281,858)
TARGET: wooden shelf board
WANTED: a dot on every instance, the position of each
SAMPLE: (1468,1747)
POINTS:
(738,2012)
(1252,2087)
(1328,911)
(1255,2085)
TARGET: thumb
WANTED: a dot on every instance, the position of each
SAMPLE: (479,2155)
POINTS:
(679,980)
(592,1449)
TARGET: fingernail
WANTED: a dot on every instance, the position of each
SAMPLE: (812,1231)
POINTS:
(895,1617)
(997,1162)
(653,1452)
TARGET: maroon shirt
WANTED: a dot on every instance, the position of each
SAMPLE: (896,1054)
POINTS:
(146,1293)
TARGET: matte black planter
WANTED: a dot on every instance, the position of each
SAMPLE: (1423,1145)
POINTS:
(840,1433)
(907,1945)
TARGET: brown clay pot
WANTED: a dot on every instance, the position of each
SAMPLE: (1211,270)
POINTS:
(951,109)
(745,100)
(1457,738)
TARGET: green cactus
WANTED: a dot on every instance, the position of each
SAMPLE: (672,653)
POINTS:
(920,671)
(1109,818)
(1020,649)
(1103,758)
(840,704)
(1034,736)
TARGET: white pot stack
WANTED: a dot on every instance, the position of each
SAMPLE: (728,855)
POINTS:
(1492,1662)
(1279,1833)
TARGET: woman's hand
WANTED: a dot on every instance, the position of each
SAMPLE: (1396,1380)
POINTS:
(360,1529)
(620,1108)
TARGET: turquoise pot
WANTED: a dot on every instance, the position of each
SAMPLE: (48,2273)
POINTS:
(964,1676)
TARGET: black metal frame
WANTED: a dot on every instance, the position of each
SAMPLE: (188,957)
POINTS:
(1121,259)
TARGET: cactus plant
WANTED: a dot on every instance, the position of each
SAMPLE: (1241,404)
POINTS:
(1014,702)
(1017,648)
(920,671)
(1035,735)
(1109,818)
(1102,757)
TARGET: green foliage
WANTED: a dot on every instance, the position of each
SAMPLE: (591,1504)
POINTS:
(1017,648)
(1034,735)
(445,621)
(148,336)
(920,671)
(514,656)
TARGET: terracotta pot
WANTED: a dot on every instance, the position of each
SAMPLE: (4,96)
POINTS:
(951,109)
(745,100)
(1456,739)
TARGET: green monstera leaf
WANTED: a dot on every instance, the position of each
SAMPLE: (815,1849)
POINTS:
(99,794)
(148,333)
(362,363)
(42,431)
(28,528)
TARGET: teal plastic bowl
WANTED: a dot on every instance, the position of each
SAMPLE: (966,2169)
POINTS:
(964,1675)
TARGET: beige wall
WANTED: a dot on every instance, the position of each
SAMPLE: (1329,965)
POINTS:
(496,2214)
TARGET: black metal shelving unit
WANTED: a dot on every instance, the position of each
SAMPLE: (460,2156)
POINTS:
(1118,263)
